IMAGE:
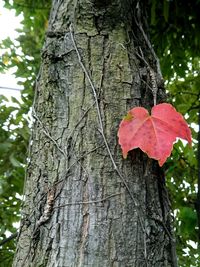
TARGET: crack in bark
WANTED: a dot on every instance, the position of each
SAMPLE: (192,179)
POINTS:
(85,225)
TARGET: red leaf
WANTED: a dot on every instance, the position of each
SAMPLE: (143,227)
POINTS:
(153,134)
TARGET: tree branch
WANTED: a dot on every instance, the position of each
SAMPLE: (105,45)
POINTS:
(13,236)
(10,88)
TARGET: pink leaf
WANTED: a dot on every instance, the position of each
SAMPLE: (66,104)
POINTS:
(153,134)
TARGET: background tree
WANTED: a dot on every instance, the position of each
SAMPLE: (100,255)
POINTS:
(173,18)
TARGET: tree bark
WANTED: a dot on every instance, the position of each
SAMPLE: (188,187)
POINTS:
(84,204)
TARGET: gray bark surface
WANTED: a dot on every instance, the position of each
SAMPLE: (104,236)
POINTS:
(77,210)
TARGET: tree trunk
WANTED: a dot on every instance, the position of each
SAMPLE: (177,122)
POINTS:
(84,204)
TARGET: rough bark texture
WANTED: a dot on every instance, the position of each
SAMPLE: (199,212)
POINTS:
(78,211)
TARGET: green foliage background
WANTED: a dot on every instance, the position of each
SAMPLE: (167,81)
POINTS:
(175,34)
